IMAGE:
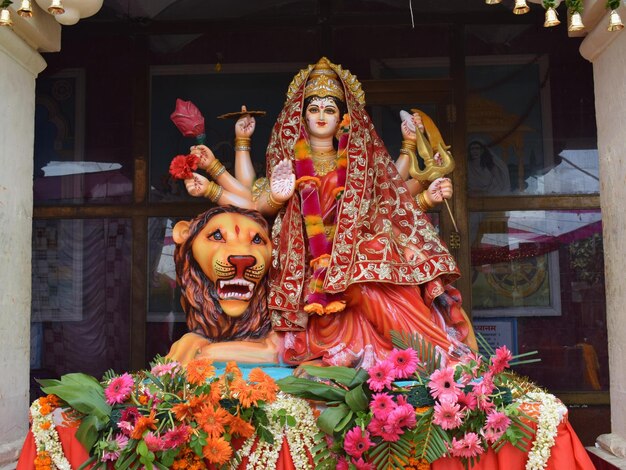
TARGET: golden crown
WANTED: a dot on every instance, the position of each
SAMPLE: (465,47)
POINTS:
(323,82)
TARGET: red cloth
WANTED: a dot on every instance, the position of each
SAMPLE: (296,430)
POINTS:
(567,454)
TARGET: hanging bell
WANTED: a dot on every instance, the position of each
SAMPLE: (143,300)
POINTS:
(551,18)
(56,7)
(615,22)
(5,17)
(26,9)
(575,22)
(493,2)
(521,7)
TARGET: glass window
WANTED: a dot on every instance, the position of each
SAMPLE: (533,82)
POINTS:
(66,170)
(538,284)
(166,319)
(80,296)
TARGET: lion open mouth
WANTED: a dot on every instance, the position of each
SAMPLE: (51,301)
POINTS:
(235,289)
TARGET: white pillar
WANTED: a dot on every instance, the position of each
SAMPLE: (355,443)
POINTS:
(607,51)
(20,63)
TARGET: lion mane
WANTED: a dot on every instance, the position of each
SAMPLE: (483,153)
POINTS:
(198,293)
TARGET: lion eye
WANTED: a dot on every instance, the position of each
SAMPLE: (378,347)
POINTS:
(217,235)
(257,240)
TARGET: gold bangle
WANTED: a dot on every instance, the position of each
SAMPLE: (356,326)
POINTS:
(215,169)
(423,202)
(242,148)
(273,203)
(242,141)
(213,192)
(408,145)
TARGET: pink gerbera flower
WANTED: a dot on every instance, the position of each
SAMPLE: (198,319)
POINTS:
(467,400)
(376,425)
(342,464)
(403,416)
(501,360)
(382,404)
(404,362)
(391,432)
(154,442)
(498,420)
(168,368)
(491,435)
(469,446)
(442,385)
(176,437)
(381,376)
(357,442)
(119,389)
(362,465)
(447,415)
(114,448)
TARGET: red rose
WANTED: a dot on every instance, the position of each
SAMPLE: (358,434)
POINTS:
(188,119)
(183,165)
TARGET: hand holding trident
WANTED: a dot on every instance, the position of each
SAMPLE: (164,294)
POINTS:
(437,163)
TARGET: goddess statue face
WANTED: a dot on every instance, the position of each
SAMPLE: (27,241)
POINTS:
(322,118)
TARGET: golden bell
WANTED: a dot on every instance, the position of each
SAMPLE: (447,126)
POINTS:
(551,18)
(493,2)
(615,22)
(575,22)
(26,9)
(56,8)
(5,18)
(521,7)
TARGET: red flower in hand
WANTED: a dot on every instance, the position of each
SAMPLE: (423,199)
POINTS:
(182,166)
(188,119)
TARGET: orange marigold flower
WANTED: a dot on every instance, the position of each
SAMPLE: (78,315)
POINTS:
(213,419)
(233,368)
(53,400)
(243,392)
(143,399)
(143,423)
(217,451)
(240,427)
(45,425)
(422,409)
(45,409)
(199,370)
(215,395)
(43,461)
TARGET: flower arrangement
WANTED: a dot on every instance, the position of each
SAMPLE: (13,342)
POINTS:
(165,417)
(410,409)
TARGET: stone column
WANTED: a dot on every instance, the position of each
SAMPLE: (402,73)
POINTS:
(20,64)
(607,51)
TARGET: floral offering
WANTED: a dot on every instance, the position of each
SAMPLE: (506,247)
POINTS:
(410,409)
(166,417)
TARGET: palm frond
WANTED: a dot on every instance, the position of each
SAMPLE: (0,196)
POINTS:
(430,440)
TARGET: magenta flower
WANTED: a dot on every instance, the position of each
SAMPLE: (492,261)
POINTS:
(403,416)
(342,464)
(448,415)
(443,386)
(362,465)
(381,376)
(391,432)
(404,362)
(501,360)
(382,404)
(154,442)
(119,389)
(176,437)
(357,442)
(467,400)
(376,426)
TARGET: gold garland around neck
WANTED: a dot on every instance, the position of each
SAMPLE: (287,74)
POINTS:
(324,161)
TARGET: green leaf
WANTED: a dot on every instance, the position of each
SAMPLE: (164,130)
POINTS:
(87,433)
(87,462)
(342,375)
(155,380)
(344,422)
(331,417)
(80,391)
(142,448)
(291,421)
(357,399)
(264,434)
(310,389)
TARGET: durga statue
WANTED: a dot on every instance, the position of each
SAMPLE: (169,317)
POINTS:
(351,255)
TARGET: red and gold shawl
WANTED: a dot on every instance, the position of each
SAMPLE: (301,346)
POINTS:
(376,209)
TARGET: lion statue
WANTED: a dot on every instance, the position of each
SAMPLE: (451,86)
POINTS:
(221,259)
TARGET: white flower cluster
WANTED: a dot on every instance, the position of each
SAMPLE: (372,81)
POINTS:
(47,437)
(550,414)
(299,437)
